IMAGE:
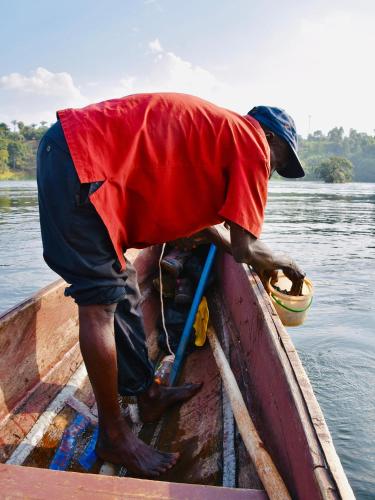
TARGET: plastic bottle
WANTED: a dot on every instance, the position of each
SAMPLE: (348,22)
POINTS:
(163,370)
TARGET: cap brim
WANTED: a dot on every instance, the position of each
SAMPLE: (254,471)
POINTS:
(293,169)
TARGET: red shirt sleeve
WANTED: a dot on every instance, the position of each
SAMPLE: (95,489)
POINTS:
(246,194)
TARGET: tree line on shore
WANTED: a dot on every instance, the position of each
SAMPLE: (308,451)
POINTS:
(337,157)
(18,149)
(334,157)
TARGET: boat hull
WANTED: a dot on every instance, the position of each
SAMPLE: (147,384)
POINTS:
(39,341)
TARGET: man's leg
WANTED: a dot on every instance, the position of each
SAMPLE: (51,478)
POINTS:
(136,373)
(116,442)
(77,246)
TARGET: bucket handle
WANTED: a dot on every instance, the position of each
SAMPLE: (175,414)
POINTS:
(289,308)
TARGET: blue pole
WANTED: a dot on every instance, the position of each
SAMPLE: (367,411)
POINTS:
(180,354)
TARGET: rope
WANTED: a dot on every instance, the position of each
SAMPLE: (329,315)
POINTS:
(162,304)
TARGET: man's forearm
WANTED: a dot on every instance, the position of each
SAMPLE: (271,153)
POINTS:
(254,252)
(248,249)
(260,256)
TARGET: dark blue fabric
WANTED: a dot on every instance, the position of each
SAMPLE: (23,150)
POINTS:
(76,245)
(56,133)
(278,121)
(75,241)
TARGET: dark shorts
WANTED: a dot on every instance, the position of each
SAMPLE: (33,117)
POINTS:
(76,245)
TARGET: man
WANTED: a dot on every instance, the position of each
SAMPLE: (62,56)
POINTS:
(137,171)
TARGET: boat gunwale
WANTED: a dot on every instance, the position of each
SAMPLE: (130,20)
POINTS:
(315,427)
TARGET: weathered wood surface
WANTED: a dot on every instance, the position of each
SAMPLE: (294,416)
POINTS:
(34,336)
(195,429)
(29,482)
(39,353)
(278,392)
(268,474)
(265,363)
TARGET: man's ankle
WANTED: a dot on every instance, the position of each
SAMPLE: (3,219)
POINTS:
(113,428)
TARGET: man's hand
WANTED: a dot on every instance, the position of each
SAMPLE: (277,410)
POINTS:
(293,271)
(249,250)
(267,276)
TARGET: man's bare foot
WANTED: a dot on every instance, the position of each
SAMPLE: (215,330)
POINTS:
(124,448)
(158,398)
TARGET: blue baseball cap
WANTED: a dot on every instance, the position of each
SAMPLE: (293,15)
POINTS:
(278,121)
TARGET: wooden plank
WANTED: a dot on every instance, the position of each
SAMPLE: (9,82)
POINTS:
(35,435)
(317,419)
(195,428)
(269,475)
(277,400)
(229,427)
(39,341)
(272,403)
(246,474)
(17,424)
(29,482)
(34,337)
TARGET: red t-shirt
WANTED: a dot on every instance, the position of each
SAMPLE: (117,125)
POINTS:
(172,164)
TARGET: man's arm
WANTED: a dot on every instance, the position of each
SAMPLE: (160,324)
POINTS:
(247,249)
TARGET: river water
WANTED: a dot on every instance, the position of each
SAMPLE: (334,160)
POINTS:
(330,231)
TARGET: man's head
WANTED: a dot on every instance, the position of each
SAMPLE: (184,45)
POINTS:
(281,135)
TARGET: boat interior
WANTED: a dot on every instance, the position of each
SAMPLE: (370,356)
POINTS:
(48,412)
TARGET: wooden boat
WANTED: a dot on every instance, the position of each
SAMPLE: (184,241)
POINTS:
(44,387)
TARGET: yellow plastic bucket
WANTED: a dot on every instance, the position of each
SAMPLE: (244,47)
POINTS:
(291,309)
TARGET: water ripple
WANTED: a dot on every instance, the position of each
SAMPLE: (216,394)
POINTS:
(329,230)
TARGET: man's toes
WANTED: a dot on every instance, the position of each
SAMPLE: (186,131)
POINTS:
(152,473)
(170,458)
(163,468)
(170,465)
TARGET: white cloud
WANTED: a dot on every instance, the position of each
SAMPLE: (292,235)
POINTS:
(320,72)
(169,72)
(323,70)
(42,82)
(36,97)
(155,46)
(320,69)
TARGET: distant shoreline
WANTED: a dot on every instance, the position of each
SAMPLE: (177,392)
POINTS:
(8,175)
(11,176)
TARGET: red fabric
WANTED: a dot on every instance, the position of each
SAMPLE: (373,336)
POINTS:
(173,164)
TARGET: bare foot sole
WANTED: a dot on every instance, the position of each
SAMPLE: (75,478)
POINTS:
(139,458)
(153,403)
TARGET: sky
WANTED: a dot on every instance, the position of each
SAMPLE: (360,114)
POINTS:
(313,58)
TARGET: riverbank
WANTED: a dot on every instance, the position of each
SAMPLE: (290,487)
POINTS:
(9,175)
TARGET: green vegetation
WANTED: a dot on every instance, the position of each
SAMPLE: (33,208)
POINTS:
(18,149)
(324,156)
(335,170)
(357,147)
